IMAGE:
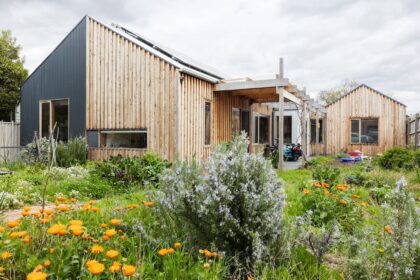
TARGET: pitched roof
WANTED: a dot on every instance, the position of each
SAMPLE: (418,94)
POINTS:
(368,87)
(178,60)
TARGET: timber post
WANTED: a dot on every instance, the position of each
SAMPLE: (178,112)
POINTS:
(279,90)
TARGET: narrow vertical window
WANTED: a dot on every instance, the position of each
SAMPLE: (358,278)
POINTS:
(207,123)
(245,121)
(236,122)
(45,119)
(355,132)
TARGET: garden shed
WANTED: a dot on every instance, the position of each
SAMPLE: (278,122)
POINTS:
(367,120)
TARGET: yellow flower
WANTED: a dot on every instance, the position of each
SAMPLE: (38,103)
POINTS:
(36,275)
(27,208)
(27,239)
(91,202)
(86,207)
(115,267)
(1,229)
(342,188)
(36,214)
(24,213)
(56,203)
(96,249)
(63,208)
(110,232)
(44,221)
(13,224)
(57,229)
(95,209)
(325,185)
(363,204)
(6,255)
(60,198)
(342,201)
(117,208)
(38,267)
(177,245)
(115,222)
(388,229)
(356,196)
(306,191)
(163,252)
(104,225)
(148,203)
(47,263)
(1,269)
(17,234)
(52,250)
(76,222)
(76,230)
(105,238)
(171,250)
(73,200)
(95,267)
(326,192)
(206,265)
(128,270)
(112,254)
(132,206)
(49,211)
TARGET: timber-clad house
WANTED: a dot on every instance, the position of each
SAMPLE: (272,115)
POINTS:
(127,95)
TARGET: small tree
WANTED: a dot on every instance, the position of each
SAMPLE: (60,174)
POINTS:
(12,74)
(331,95)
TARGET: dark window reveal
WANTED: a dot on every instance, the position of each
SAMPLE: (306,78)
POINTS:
(124,139)
(261,129)
(55,112)
(364,131)
(207,123)
(313,131)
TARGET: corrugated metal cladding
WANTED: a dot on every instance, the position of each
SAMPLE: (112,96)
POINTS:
(61,75)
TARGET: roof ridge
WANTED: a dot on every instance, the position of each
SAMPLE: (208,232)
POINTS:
(368,87)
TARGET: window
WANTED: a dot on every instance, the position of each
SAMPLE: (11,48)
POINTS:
(364,131)
(313,131)
(55,112)
(245,121)
(261,130)
(236,121)
(133,139)
(287,129)
(207,123)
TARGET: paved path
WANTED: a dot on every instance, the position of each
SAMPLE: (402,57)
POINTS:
(290,165)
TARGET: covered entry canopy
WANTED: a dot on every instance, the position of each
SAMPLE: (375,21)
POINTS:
(278,90)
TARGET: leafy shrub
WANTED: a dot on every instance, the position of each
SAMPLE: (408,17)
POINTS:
(325,173)
(71,153)
(320,160)
(332,203)
(34,152)
(121,170)
(235,204)
(396,158)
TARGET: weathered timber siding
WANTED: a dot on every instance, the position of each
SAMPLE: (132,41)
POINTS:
(61,75)
(365,103)
(129,88)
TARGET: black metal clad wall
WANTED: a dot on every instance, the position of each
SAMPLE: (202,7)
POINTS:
(61,75)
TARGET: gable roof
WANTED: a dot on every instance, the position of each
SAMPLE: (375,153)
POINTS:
(179,61)
(368,87)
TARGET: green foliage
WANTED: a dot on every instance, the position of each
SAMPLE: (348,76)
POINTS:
(325,173)
(125,171)
(12,74)
(396,158)
(35,152)
(320,160)
(71,153)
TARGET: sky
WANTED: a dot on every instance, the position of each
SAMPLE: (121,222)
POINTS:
(323,42)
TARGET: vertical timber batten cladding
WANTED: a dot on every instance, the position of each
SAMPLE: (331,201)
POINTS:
(61,75)
(365,103)
(129,88)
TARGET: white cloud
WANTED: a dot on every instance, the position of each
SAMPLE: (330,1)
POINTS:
(376,42)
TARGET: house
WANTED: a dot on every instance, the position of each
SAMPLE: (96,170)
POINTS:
(128,95)
(367,120)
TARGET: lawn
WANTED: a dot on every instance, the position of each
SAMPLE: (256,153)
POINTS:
(144,218)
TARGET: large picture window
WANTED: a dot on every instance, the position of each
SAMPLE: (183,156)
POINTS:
(207,123)
(133,139)
(55,112)
(261,129)
(364,131)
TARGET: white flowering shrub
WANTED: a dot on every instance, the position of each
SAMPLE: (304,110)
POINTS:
(29,154)
(235,203)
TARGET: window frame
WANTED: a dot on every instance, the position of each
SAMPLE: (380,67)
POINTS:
(360,130)
(51,115)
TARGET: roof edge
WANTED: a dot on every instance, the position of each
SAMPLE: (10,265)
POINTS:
(368,87)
